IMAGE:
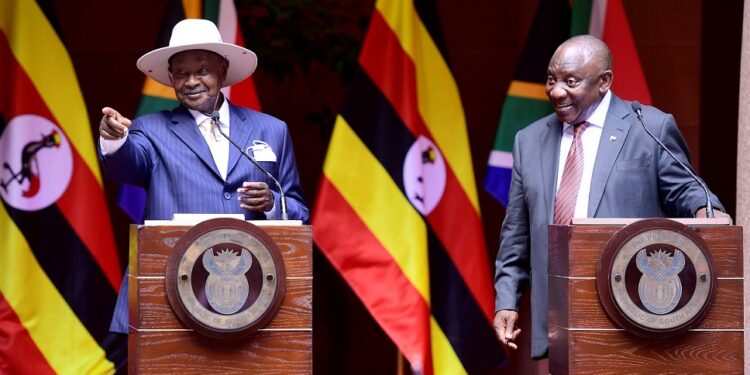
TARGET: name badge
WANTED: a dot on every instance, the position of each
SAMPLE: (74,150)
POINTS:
(262,151)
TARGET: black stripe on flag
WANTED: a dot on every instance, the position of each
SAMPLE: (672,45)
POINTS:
(551,27)
(459,315)
(69,265)
(375,122)
(373,119)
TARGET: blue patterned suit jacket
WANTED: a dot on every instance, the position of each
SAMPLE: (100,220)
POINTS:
(166,154)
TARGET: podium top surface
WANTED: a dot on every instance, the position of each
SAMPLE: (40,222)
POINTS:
(627,221)
(260,223)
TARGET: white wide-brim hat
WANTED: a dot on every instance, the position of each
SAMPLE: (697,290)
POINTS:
(198,34)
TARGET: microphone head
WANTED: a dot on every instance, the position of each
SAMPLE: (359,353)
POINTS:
(215,116)
(636,106)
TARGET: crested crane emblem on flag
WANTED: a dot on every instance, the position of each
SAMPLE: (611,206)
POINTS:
(37,163)
(660,288)
(424,175)
(226,287)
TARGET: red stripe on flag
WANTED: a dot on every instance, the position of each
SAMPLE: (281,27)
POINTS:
(393,71)
(243,93)
(619,38)
(83,202)
(374,276)
(18,352)
(85,208)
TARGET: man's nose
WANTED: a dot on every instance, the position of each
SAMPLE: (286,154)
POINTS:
(192,80)
(556,91)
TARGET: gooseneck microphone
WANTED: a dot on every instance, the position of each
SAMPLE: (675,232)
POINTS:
(639,114)
(215,119)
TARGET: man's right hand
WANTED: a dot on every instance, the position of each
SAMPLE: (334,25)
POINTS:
(505,327)
(113,125)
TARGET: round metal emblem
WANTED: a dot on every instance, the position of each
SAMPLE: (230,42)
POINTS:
(656,277)
(225,278)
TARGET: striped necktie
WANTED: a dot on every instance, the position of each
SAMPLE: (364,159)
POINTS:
(567,193)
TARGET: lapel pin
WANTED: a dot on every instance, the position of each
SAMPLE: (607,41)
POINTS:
(612,138)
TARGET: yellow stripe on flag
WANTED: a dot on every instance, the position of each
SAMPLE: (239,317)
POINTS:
(437,93)
(153,88)
(444,358)
(54,327)
(193,8)
(528,90)
(378,201)
(40,52)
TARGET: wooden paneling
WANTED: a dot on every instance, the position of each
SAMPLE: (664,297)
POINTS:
(603,353)
(576,305)
(160,343)
(588,241)
(155,311)
(188,353)
(583,340)
(294,242)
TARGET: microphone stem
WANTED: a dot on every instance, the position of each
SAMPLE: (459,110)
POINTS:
(709,206)
(284,215)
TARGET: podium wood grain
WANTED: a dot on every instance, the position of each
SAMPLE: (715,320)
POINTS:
(583,340)
(159,343)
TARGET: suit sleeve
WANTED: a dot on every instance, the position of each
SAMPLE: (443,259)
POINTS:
(512,262)
(289,180)
(681,195)
(133,162)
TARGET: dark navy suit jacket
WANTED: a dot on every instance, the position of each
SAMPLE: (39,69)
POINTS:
(166,154)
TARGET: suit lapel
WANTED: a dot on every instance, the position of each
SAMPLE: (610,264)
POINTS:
(616,127)
(550,147)
(184,127)
(241,129)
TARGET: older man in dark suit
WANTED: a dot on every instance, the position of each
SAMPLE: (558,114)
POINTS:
(591,158)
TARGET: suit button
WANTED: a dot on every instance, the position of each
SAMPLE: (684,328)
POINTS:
(227,196)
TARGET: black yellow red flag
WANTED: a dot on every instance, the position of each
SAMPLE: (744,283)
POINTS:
(397,212)
(59,270)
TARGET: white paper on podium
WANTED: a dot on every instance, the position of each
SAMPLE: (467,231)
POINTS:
(192,219)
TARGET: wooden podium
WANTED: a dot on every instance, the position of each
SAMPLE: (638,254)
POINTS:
(159,343)
(584,340)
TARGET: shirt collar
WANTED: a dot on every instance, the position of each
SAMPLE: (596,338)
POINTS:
(223,114)
(600,113)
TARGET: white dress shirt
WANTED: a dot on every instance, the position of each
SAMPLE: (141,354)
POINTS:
(590,140)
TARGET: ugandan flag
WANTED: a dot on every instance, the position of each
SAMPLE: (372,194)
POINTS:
(157,97)
(526,100)
(59,270)
(397,212)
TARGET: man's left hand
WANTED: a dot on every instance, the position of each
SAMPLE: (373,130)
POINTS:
(701,213)
(255,196)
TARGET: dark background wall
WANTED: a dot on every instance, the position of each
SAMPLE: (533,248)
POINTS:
(689,50)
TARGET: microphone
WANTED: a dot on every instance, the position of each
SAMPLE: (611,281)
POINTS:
(215,118)
(709,207)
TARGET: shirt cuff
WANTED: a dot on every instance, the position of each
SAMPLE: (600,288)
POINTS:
(111,146)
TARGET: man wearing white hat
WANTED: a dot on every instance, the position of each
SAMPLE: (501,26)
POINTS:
(183,157)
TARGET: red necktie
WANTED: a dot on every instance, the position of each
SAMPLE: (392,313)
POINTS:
(567,193)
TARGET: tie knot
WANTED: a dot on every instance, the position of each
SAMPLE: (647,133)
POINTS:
(579,128)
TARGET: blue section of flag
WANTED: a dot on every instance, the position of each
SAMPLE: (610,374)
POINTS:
(132,200)
(497,183)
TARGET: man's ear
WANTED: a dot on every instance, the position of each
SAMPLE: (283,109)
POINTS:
(605,81)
